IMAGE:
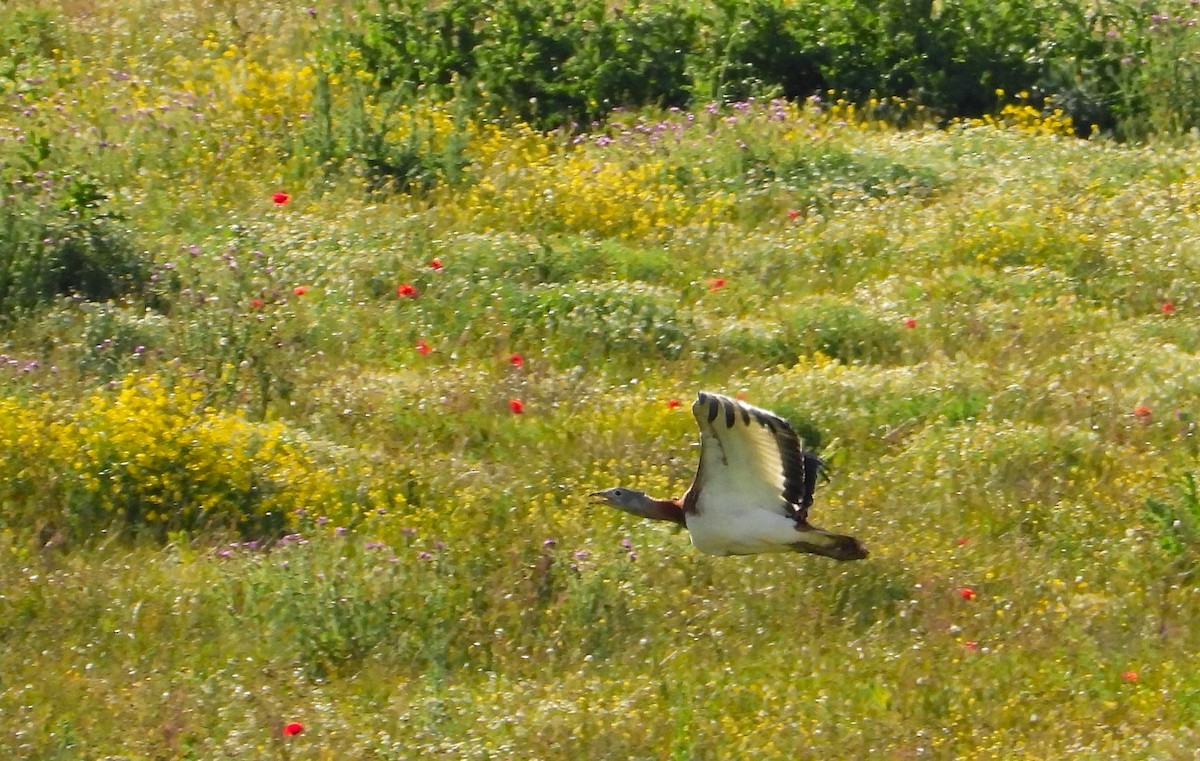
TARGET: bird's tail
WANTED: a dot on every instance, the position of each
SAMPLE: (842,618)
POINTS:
(837,546)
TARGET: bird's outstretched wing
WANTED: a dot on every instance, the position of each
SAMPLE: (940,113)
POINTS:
(750,459)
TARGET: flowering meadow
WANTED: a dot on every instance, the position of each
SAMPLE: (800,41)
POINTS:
(304,383)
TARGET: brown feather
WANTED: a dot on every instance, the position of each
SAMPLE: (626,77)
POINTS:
(668,510)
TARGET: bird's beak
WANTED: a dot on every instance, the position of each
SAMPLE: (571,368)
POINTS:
(598,498)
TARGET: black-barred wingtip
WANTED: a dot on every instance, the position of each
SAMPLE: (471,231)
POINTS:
(768,421)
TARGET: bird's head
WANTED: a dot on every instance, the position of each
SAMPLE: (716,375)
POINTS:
(629,500)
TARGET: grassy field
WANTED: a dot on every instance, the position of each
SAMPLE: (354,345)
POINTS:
(990,328)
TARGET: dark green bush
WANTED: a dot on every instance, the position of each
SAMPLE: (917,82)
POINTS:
(410,42)
(951,56)
(56,239)
(640,58)
(760,47)
(553,63)
(549,62)
(526,58)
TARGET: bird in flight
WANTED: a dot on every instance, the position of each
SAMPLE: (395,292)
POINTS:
(752,490)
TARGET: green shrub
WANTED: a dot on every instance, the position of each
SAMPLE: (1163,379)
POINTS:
(638,57)
(548,62)
(1129,67)
(825,325)
(28,38)
(960,58)
(56,239)
(553,63)
(334,602)
(239,314)
(411,43)
(586,320)
(761,47)
(526,60)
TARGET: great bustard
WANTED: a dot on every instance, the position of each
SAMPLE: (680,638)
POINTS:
(752,489)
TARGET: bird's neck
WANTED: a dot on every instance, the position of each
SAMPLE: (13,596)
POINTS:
(662,510)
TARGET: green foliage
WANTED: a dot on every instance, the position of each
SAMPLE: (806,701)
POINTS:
(600,319)
(1133,72)
(533,57)
(827,326)
(548,62)
(335,605)
(637,57)
(115,337)
(56,238)
(749,49)
(553,63)
(1176,518)
(242,310)
(414,164)
(29,35)
(393,145)
(951,56)
(409,42)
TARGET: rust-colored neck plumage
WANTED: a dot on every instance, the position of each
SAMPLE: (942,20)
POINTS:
(665,510)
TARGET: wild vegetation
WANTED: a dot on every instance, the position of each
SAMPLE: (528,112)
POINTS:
(314,344)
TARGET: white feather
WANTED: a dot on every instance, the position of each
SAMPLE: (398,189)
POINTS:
(740,508)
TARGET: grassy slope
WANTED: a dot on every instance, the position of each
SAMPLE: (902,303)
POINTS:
(992,447)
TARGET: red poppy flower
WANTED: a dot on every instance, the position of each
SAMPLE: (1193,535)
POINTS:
(435,264)
(966,593)
(910,323)
(256,303)
(516,406)
(961,541)
(300,290)
(293,728)
(1168,308)
(422,347)
(971,645)
(673,403)
(793,214)
(406,290)
(1142,412)
(281,198)
(1129,676)
(716,283)
(516,360)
